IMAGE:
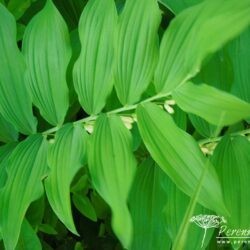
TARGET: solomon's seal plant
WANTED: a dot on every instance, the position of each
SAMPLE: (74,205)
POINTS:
(120,119)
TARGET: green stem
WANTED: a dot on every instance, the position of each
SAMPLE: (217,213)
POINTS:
(133,107)
(115,111)
(217,139)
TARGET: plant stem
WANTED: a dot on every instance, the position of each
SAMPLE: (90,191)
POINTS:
(133,107)
(217,139)
(115,111)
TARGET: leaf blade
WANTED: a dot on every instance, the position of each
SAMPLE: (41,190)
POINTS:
(93,70)
(8,132)
(215,106)
(15,104)
(47,58)
(26,167)
(28,239)
(188,35)
(148,192)
(112,167)
(231,159)
(178,155)
(65,158)
(137,49)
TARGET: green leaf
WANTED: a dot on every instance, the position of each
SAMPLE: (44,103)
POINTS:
(217,72)
(5,152)
(203,127)
(240,54)
(65,157)
(83,204)
(176,6)
(76,49)
(79,246)
(81,184)
(26,167)
(147,201)
(15,101)
(187,41)
(136,48)
(232,160)
(28,240)
(93,72)
(71,11)
(35,212)
(101,208)
(175,210)
(8,132)
(180,118)
(18,7)
(47,57)
(215,106)
(112,167)
(20,31)
(48,229)
(179,155)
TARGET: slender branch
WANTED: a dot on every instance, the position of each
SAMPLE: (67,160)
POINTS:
(126,108)
(217,139)
(115,111)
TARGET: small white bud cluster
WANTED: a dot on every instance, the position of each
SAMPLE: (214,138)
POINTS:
(168,106)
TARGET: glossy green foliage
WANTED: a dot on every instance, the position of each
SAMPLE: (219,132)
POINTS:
(25,169)
(136,49)
(215,106)
(66,155)
(178,155)
(148,192)
(15,100)
(112,167)
(232,160)
(187,41)
(93,72)
(169,91)
(47,58)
